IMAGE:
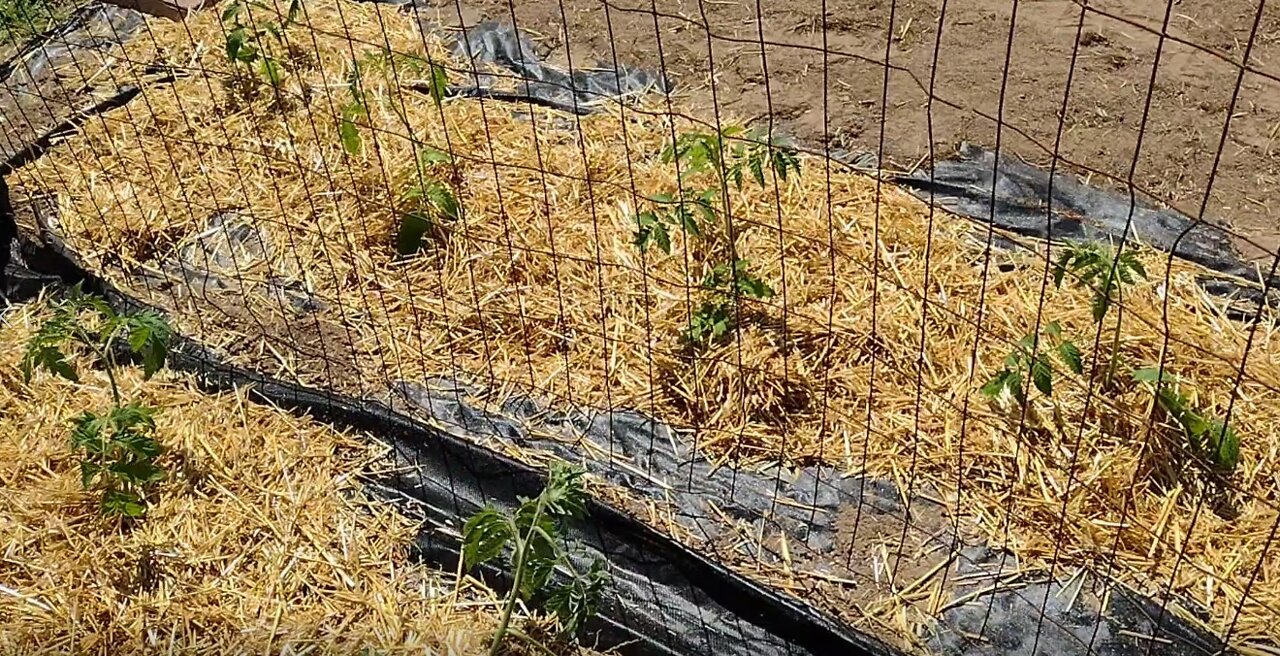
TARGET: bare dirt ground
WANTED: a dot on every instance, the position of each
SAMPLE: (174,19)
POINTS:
(1111,84)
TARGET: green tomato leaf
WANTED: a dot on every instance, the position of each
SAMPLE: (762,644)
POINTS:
(439,83)
(575,602)
(413,228)
(137,472)
(994,387)
(1101,303)
(47,357)
(428,156)
(1227,445)
(1013,383)
(1042,375)
(271,70)
(235,41)
(1060,269)
(149,336)
(484,537)
(1070,354)
(442,200)
(122,503)
(687,221)
(231,12)
(565,495)
(350,135)
(87,433)
(89,471)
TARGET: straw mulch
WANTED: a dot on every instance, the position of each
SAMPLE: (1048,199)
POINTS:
(865,358)
(259,541)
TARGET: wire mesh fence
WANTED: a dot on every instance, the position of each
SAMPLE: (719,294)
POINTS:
(936,327)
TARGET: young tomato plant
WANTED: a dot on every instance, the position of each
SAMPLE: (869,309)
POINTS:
(355,108)
(390,65)
(1100,269)
(1024,357)
(714,318)
(247,39)
(730,155)
(534,535)
(425,203)
(118,452)
(1209,437)
(730,152)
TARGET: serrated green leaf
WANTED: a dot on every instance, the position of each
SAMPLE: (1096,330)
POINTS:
(1136,266)
(1060,269)
(248,54)
(350,135)
(484,537)
(735,175)
(687,221)
(122,503)
(756,164)
(1227,446)
(1054,329)
(354,84)
(785,159)
(651,229)
(231,12)
(235,43)
(1013,383)
(271,70)
(1070,355)
(994,387)
(708,213)
(574,603)
(428,156)
(1014,359)
(754,287)
(149,336)
(136,472)
(51,359)
(1042,376)
(87,432)
(132,415)
(442,200)
(89,471)
(1101,303)
(541,552)
(565,495)
(439,83)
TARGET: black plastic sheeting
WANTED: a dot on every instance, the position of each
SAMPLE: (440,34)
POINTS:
(666,599)
(46,88)
(496,46)
(1023,196)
